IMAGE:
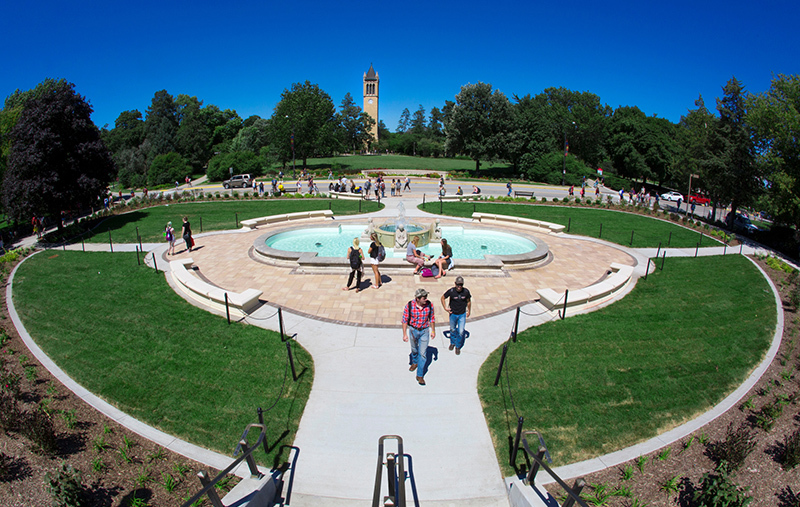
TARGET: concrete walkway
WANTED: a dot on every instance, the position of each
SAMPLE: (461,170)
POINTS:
(362,390)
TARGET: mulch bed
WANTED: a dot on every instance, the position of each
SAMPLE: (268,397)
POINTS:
(671,477)
(117,466)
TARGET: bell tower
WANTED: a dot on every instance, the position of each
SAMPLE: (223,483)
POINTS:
(371,82)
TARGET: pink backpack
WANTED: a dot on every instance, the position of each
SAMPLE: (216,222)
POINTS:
(426,273)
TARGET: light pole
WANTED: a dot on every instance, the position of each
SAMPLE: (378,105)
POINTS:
(566,150)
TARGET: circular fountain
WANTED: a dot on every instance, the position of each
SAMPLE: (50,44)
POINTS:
(475,248)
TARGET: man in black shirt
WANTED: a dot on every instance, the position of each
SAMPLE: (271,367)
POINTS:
(459,309)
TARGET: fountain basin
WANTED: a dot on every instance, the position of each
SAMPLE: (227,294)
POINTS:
(325,247)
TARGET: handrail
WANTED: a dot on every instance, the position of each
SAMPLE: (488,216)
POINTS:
(401,490)
(247,455)
(573,492)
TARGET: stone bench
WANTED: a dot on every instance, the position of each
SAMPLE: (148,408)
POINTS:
(547,227)
(618,279)
(347,195)
(206,294)
(456,197)
(252,223)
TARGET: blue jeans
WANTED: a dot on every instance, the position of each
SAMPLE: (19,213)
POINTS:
(419,347)
(457,323)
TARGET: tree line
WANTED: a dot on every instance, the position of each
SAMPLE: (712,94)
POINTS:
(744,154)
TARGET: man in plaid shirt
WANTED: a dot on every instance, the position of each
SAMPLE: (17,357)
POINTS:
(418,315)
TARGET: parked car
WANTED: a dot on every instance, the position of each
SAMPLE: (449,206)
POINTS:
(699,199)
(672,196)
(240,180)
(743,223)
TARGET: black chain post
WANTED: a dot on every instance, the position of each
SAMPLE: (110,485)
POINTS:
(227,309)
(502,361)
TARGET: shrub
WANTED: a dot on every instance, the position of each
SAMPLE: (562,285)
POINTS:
(765,418)
(738,444)
(168,168)
(791,451)
(718,490)
(39,429)
(5,467)
(9,412)
(65,487)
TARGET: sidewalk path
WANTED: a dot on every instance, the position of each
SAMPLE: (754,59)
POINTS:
(362,390)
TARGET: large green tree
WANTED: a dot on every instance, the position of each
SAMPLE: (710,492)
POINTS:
(306,115)
(57,160)
(774,117)
(641,147)
(161,124)
(478,123)
(734,176)
(354,125)
(12,109)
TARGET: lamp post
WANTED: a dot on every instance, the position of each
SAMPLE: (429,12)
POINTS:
(689,194)
(566,150)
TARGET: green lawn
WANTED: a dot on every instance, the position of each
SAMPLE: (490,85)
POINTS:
(616,226)
(598,382)
(212,216)
(120,331)
(361,162)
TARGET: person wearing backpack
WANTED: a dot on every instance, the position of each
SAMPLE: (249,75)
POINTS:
(354,255)
(376,255)
(169,234)
(418,315)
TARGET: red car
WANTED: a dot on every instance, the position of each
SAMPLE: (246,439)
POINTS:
(699,199)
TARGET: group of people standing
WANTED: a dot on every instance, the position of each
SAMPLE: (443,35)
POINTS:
(186,234)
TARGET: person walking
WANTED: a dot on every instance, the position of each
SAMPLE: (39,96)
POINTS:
(376,254)
(459,309)
(407,186)
(508,186)
(418,315)
(186,232)
(169,234)
(355,256)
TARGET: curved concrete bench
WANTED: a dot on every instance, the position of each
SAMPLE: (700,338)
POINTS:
(546,227)
(601,291)
(240,304)
(464,197)
(252,223)
(347,195)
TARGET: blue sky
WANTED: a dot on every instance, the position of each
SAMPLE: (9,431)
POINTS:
(243,55)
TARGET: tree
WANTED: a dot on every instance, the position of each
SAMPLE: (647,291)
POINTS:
(775,119)
(436,122)
(305,114)
(694,149)
(168,169)
(193,137)
(405,121)
(478,123)
(354,125)
(641,147)
(161,124)
(735,176)
(418,121)
(57,160)
(13,107)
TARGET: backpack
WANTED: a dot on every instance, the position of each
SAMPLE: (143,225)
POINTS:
(381,253)
(426,273)
(355,258)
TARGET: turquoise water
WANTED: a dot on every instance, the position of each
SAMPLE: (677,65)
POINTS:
(466,243)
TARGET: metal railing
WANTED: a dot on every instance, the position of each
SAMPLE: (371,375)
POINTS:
(395,476)
(573,492)
(276,486)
